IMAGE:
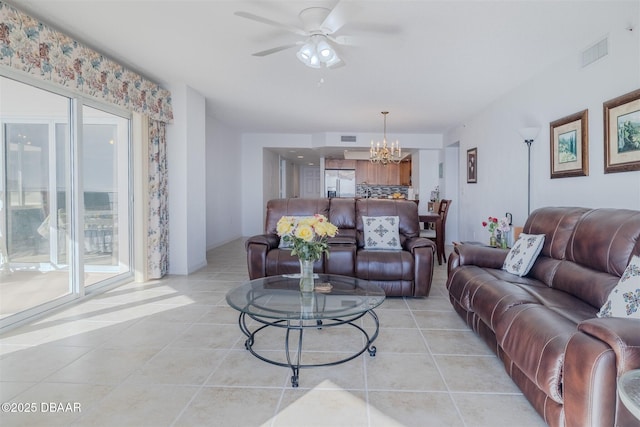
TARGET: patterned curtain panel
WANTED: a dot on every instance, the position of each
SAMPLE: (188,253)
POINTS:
(32,47)
(158,232)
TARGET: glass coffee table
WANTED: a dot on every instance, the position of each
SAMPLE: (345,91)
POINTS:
(629,391)
(277,302)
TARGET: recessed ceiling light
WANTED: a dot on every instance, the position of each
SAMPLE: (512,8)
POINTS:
(301,157)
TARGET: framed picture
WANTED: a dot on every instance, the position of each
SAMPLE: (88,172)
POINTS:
(569,138)
(622,133)
(472,165)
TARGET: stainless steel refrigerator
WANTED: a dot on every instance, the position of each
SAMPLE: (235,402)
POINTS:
(340,182)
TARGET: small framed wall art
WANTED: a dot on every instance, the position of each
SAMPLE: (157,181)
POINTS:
(472,165)
(569,138)
(622,133)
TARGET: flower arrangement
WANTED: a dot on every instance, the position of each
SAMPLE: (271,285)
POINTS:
(493,224)
(307,235)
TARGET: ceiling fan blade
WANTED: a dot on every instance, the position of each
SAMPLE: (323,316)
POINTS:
(336,18)
(344,40)
(276,49)
(262,20)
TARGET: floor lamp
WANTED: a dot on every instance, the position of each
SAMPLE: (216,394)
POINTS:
(529,135)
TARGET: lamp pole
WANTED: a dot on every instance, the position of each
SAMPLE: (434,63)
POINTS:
(528,142)
(529,135)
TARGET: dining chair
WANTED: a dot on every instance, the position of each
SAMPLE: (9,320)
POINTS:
(437,234)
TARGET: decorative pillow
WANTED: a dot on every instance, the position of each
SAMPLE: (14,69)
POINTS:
(523,254)
(624,299)
(381,232)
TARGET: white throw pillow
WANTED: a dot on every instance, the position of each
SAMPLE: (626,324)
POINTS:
(624,299)
(381,232)
(523,254)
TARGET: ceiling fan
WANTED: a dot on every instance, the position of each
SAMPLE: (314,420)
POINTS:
(318,27)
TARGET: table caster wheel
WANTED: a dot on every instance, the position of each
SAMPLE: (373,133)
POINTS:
(372,351)
(319,324)
(294,381)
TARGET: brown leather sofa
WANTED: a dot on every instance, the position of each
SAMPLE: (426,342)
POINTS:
(544,327)
(406,272)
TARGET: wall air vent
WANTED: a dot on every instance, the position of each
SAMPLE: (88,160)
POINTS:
(595,52)
(348,138)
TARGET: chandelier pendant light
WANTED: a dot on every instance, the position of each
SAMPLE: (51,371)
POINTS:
(384,154)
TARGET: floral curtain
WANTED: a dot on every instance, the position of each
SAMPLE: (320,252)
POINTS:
(34,48)
(158,230)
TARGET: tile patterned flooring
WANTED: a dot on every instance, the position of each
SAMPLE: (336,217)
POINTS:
(170,353)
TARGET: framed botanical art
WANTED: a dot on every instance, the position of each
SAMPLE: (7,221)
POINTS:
(622,133)
(569,139)
(472,165)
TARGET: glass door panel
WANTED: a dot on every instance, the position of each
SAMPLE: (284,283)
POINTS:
(34,167)
(105,148)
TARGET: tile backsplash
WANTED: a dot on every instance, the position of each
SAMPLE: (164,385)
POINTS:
(365,190)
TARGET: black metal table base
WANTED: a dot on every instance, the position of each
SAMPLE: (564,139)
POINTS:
(299,325)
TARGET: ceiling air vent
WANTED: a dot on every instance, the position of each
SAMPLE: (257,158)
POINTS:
(595,52)
(348,138)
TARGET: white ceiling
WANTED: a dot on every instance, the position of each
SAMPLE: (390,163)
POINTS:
(432,64)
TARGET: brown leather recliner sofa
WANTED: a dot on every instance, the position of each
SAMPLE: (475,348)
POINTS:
(406,272)
(544,327)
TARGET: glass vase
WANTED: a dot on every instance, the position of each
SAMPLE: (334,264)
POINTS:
(492,241)
(503,241)
(306,275)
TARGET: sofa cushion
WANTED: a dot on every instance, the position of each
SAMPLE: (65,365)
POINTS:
(535,337)
(280,261)
(384,265)
(523,254)
(624,299)
(381,232)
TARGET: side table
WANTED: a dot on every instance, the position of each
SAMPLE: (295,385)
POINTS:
(629,391)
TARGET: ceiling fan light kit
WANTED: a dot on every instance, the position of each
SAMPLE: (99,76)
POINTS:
(317,51)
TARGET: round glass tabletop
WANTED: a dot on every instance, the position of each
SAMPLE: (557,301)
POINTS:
(279,297)
(629,390)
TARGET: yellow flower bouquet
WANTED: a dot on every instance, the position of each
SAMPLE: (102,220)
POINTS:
(306,235)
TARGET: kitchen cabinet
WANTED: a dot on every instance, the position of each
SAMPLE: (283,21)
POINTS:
(339,164)
(376,174)
(405,172)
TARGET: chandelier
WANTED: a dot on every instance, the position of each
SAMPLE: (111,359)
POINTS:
(384,154)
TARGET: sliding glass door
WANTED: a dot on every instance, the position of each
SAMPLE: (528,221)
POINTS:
(64,199)
(105,154)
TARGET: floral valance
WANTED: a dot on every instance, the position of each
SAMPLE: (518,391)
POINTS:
(34,48)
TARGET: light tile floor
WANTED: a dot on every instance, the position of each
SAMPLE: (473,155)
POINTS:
(170,353)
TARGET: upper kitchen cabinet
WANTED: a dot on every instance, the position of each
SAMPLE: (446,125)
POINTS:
(405,172)
(376,174)
(339,164)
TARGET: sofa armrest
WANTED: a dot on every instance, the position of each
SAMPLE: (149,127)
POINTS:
(257,249)
(619,334)
(412,243)
(481,256)
(270,240)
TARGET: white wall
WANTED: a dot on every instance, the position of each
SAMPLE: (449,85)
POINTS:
(564,89)
(259,175)
(223,183)
(186,148)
